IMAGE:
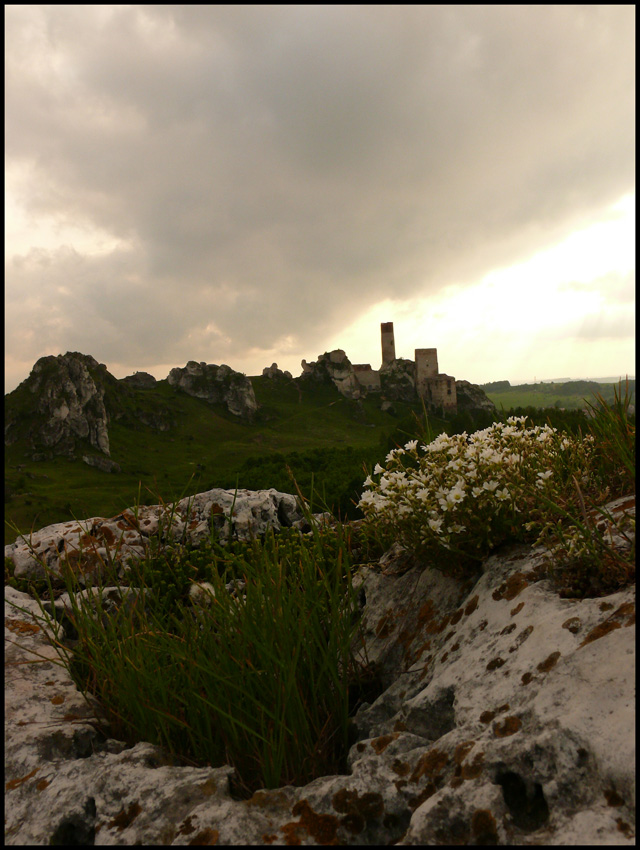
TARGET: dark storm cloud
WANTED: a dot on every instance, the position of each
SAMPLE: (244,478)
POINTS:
(272,169)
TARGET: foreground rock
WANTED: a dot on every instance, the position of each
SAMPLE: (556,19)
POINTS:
(507,717)
(88,545)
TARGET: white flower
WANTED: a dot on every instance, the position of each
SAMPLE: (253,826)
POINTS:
(490,486)
(435,524)
(368,481)
(503,494)
(202,593)
(377,469)
(411,445)
(545,475)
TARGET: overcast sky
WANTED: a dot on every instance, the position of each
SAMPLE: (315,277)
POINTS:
(250,184)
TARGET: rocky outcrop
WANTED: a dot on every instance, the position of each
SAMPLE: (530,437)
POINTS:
(140,381)
(335,367)
(472,397)
(90,543)
(68,405)
(507,717)
(274,374)
(398,380)
(101,463)
(216,385)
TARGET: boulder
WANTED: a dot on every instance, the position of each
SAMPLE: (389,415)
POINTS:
(101,463)
(88,544)
(507,717)
(216,385)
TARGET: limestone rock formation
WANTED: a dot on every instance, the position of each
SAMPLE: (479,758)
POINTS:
(89,543)
(274,374)
(472,397)
(140,380)
(398,380)
(68,405)
(336,367)
(507,717)
(217,385)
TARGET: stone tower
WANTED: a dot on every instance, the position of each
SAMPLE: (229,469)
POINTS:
(426,368)
(388,342)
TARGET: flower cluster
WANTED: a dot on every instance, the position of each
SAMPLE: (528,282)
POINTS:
(464,494)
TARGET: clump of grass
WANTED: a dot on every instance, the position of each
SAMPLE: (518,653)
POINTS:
(258,678)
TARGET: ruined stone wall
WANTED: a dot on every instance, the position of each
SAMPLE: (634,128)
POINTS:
(367,377)
(426,368)
(442,391)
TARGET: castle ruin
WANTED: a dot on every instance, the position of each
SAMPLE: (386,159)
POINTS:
(436,388)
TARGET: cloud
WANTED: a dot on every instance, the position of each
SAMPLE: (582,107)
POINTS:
(268,172)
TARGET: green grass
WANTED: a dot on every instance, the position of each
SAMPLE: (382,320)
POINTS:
(262,679)
(207,447)
(571,395)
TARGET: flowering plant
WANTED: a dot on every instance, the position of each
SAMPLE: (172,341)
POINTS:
(459,496)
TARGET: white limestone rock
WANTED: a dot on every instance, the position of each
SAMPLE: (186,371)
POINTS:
(507,717)
(217,385)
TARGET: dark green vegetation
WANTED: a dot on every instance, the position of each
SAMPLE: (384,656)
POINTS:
(313,430)
(570,395)
(169,445)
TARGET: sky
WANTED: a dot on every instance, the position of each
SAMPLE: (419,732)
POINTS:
(253,184)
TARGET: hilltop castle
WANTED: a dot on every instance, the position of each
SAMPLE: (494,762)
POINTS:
(434,387)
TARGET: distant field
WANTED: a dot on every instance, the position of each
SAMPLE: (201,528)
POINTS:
(571,395)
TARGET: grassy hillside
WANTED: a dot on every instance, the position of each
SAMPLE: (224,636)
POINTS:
(207,447)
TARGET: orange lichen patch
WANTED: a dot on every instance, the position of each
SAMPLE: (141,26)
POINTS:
(510,588)
(431,763)
(265,798)
(613,798)
(57,700)
(206,837)
(456,781)
(380,744)
(455,647)
(456,616)
(216,509)
(209,786)
(321,827)
(600,631)
(385,625)
(460,752)
(40,786)
(483,827)
(526,678)
(15,783)
(473,769)
(269,839)
(400,767)
(49,683)
(573,624)
(107,535)
(471,605)
(21,627)
(487,716)
(508,629)
(428,791)
(357,810)
(125,818)
(399,726)
(361,747)
(624,828)
(186,827)
(509,726)
(606,606)
(495,663)
(549,662)
(483,625)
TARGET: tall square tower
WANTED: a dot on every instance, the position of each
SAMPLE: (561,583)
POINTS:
(388,342)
